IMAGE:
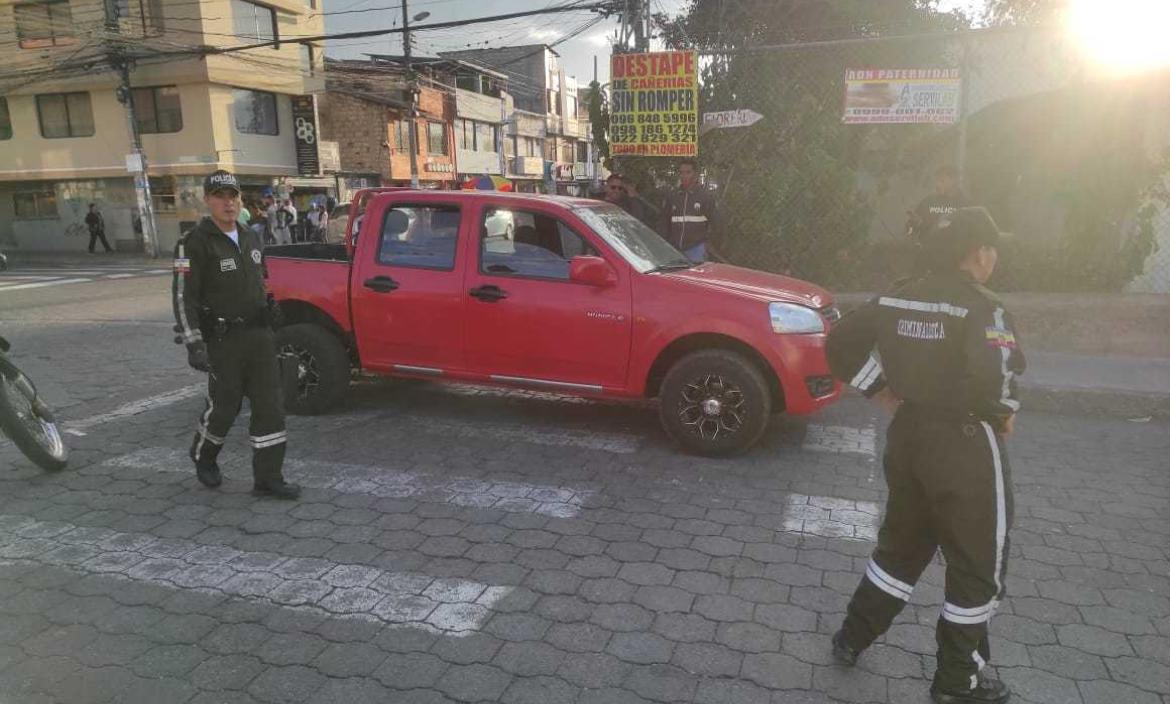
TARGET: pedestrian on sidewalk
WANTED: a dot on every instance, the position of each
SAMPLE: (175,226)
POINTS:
(97,228)
(226,322)
(948,361)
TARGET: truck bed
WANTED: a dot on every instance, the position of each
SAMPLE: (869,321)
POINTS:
(312,273)
(322,251)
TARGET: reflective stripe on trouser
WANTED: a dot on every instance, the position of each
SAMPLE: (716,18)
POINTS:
(243,366)
(949,488)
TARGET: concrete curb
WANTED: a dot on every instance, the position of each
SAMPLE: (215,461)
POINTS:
(1101,403)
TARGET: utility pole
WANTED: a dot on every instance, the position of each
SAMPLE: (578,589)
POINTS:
(136,160)
(412,87)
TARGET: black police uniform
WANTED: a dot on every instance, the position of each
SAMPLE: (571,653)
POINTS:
(221,307)
(947,347)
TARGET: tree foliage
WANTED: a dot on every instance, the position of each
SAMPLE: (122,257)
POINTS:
(789,185)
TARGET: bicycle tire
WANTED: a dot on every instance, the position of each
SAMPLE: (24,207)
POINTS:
(47,451)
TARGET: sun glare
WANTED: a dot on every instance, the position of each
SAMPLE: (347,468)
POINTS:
(1123,36)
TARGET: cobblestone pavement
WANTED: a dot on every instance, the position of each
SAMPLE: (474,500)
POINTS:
(461,545)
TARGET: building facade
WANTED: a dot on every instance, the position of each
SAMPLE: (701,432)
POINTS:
(64,134)
(366,110)
(539,86)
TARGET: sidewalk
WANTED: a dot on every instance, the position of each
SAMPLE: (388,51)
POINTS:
(65,260)
(1131,387)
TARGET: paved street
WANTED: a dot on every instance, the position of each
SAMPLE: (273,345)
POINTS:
(456,544)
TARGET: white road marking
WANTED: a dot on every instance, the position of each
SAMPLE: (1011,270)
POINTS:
(120,276)
(43,284)
(513,497)
(155,272)
(452,607)
(831,517)
(140,406)
(841,439)
(619,443)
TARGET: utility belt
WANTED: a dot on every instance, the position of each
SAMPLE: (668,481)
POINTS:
(217,327)
(943,414)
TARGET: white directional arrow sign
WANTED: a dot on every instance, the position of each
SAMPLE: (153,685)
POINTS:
(729,118)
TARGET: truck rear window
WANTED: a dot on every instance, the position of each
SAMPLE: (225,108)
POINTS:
(421,236)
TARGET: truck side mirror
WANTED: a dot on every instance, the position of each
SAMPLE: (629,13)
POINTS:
(592,271)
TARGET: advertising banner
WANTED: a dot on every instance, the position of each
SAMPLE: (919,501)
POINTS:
(902,96)
(304,110)
(654,104)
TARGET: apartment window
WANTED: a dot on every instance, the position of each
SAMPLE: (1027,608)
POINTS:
(531,147)
(41,203)
(41,24)
(255,112)
(567,152)
(402,136)
(152,16)
(253,22)
(554,102)
(308,60)
(65,115)
(485,137)
(157,109)
(572,111)
(582,151)
(5,120)
(148,12)
(436,138)
(162,195)
(465,131)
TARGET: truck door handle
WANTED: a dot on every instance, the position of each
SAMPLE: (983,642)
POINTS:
(381,284)
(489,293)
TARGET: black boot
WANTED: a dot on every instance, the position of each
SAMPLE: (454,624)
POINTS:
(278,489)
(987,691)
(842,653)
(206,470)
(209,476)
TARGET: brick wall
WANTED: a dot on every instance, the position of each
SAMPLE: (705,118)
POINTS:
(360,128)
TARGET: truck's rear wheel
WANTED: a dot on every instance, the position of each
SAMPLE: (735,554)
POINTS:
(314,369)
(715,403)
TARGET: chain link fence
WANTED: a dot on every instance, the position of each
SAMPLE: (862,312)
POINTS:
(1071,164)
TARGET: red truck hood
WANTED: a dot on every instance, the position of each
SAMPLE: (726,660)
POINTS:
(755,284)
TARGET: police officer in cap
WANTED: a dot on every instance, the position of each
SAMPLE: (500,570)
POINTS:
(946,361)
(224,318)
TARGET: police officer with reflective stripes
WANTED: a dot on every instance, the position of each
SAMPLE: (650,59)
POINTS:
(946,359)
(223,317)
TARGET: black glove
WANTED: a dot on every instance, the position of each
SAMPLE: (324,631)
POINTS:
(197,356)
(275,314)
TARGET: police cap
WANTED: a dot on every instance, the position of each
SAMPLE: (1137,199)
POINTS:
(219,181)
(960,233)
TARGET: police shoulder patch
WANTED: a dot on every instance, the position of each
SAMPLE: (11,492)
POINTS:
(256,256)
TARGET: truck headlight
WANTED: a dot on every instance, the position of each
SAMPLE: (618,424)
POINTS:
(791,318)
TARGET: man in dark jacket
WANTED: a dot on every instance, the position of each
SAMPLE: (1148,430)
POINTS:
(617,191)
(947,358)
(943,202)
(688,217)
(221,307)
(97,228)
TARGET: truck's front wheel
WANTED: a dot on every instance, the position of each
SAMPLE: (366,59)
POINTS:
(314,369)
(715,403)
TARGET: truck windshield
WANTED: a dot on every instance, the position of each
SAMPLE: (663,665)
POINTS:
(638,244)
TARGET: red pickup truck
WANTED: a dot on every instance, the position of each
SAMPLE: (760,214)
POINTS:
(560,294)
